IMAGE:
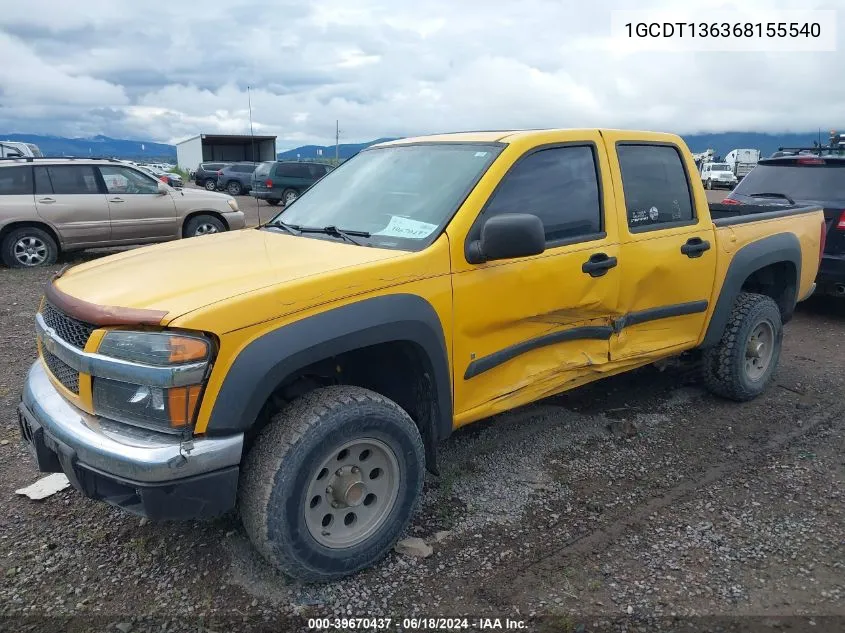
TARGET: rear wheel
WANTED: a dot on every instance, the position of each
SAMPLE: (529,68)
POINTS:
(289,196)
(29,247)
(234,188)
(741,365)
(211,184)
(203,225)
(332,482)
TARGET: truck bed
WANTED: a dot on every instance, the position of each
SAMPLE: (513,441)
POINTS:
(729,214)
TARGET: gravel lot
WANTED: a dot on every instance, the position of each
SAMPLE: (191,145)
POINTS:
(639,502)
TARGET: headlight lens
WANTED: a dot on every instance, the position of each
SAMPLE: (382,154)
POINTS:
(233,204)
(159,408)
(154,348)
(152,407)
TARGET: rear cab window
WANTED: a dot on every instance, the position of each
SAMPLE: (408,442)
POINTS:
(656,187)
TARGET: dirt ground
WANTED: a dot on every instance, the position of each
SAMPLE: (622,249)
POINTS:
(637,503)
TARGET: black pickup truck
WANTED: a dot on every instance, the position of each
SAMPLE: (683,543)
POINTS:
(801,180)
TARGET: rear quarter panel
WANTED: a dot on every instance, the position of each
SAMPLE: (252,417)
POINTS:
(730,239)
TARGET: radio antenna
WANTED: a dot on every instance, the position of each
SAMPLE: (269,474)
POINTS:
(252,136)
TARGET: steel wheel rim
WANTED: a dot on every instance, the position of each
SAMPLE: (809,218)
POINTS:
(345,506)
(759,350)
(30,251)
(206,228)
(290,196)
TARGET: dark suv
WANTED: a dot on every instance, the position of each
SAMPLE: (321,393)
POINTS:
(805,179)
(206,175)
(285,180)
(236,178)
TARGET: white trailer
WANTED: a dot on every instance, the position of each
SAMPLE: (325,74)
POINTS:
(742,161)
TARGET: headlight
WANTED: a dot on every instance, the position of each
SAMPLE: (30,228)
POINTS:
(233,204)
(162,408)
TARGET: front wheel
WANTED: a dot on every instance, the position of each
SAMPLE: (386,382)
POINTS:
(211,184)
(332,482)
(203,225)
(708,184)
(741,364)
(234,188)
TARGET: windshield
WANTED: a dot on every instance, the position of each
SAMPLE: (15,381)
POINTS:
(720,167)
(402,195)
(799,182)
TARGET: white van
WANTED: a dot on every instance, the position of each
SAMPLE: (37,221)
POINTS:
(16,149)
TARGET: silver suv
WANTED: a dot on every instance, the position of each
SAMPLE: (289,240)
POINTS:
(51,205)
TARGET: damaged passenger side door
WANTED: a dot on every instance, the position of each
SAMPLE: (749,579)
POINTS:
(527,326)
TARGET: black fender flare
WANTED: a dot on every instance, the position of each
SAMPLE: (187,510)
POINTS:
(266,361)
(782,247)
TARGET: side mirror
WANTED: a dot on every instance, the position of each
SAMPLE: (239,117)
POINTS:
(162,188)
(507,236)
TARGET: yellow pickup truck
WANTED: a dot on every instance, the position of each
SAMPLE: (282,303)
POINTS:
(304,372)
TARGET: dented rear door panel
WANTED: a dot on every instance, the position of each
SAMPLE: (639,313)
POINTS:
(664,293)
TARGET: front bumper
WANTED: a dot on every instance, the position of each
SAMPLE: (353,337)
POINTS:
(151,474)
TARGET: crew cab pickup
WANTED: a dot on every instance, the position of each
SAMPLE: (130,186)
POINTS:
(305,371)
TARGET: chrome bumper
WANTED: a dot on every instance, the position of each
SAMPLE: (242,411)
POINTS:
(119,450)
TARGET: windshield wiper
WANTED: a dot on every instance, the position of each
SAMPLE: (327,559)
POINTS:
(772,195)
(293,229)
(333,231)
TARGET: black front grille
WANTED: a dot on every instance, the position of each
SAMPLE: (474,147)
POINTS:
(63,372)
(69,329)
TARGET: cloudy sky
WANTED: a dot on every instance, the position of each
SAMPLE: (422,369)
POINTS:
(166,71)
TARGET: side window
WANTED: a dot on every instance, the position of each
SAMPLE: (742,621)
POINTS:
(558,185)
(285,170)
(655,185)
(73,179)
(301,171)
(317,171)
(16,181)
(126,180)
(43,186)
(245,169)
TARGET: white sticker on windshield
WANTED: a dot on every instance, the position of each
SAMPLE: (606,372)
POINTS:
(480,154)
(405,227)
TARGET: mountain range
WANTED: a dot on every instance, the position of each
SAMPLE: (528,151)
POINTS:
(100,145)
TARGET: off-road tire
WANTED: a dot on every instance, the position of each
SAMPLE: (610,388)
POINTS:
(724,364)
(8,245)
(273,488)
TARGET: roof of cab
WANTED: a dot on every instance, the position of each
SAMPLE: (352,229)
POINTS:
(489,136)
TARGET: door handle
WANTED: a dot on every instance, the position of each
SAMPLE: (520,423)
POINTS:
(695,246)
(116,200)
(46,200)
(598,264)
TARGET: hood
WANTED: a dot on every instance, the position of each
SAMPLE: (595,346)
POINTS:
(201,194)
(188,274)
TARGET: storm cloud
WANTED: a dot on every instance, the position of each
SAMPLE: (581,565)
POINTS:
(384,68)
